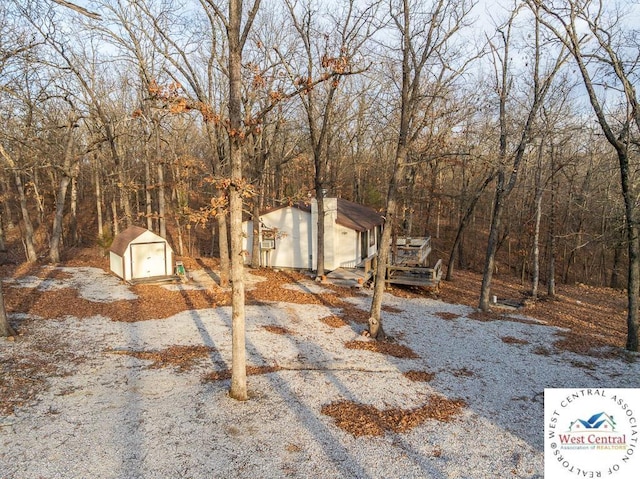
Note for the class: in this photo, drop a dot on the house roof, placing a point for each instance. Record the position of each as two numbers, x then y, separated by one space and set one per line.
350 215
123 239
357 217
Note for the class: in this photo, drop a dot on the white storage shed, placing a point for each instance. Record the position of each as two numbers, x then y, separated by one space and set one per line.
138 253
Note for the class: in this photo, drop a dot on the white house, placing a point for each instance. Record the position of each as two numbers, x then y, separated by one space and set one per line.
139 253
288 235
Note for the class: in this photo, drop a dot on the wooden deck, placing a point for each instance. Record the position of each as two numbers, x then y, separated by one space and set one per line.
349 277
411 251
409 264
355 275
415 275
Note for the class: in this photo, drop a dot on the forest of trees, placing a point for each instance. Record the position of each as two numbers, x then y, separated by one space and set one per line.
507 130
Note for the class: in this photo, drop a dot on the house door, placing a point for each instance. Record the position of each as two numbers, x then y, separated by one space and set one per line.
364 244
148 259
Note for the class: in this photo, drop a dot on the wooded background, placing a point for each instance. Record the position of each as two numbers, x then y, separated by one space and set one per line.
120 118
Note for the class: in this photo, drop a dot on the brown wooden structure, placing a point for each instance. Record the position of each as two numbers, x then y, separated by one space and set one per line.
409 263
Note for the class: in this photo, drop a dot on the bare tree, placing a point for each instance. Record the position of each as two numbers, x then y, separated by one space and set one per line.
427 71
511 157
603 56
324 56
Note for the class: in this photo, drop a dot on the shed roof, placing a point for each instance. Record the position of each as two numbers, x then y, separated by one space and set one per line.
123 239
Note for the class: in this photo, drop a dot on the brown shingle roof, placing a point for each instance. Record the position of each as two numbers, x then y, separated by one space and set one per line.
120 242
357 217
351 215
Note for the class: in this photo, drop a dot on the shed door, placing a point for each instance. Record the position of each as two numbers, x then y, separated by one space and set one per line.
148 259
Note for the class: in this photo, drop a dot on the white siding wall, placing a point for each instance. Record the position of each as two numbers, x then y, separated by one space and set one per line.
296 245
115 263
347 247
293 243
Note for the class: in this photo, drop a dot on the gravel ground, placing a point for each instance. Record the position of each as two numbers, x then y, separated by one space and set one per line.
105 413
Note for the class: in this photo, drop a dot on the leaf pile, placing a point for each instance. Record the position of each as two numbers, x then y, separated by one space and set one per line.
419 376
334 321
366 420
512 340
153 302
276 329
447 315
25 373
251 371
385 347
182 357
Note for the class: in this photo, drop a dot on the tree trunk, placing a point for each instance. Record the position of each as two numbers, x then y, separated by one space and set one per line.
73 211
633 280
320 238
492 245
99 201
56 234
238 388
28 226
463 224
124 197
538 217
384 251
147 195
5 327
5 188
2 244
162 213
114 215
66 174
551 267
255 241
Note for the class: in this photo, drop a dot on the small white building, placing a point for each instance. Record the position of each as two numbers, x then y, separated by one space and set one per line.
288 235
139 253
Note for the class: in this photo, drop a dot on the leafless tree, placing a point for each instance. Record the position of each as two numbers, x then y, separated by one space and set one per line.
430 63
512 154
603 57
324 56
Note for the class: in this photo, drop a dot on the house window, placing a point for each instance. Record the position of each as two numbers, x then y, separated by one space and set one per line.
268 239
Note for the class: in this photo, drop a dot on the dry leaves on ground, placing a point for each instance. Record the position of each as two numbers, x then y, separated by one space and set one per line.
367 420
182 357
419 376
385 347
251 371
